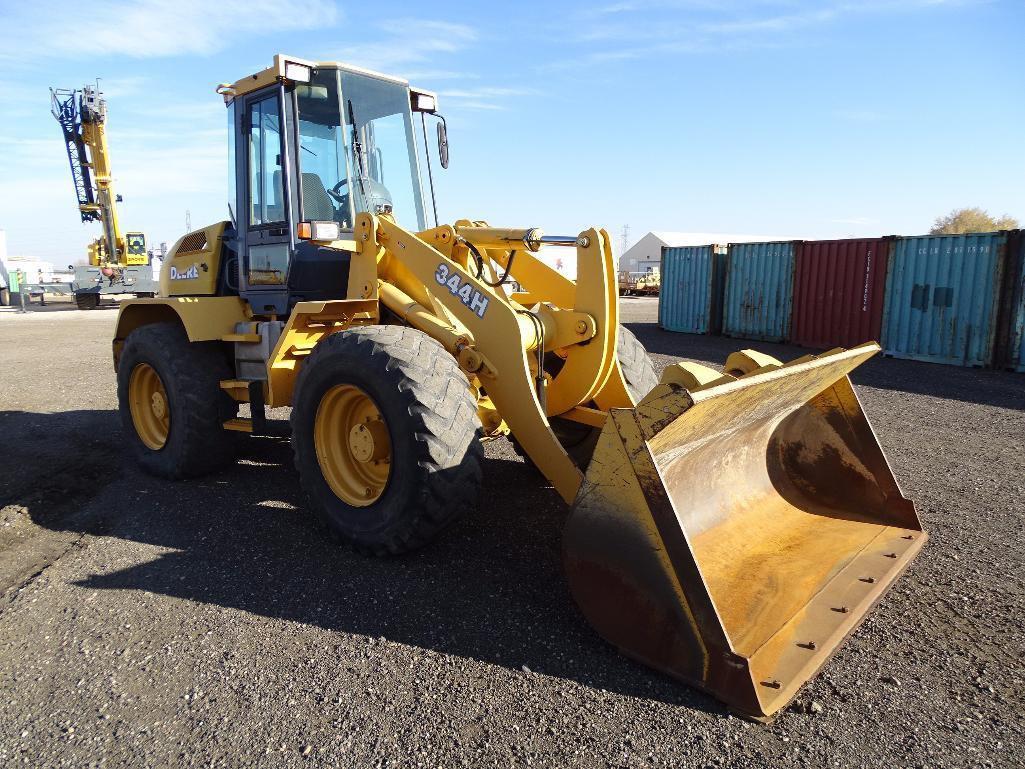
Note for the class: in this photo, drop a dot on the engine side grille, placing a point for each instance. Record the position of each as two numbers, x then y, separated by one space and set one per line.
195 241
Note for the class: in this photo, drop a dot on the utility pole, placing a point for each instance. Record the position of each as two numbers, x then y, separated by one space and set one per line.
188 221
624 242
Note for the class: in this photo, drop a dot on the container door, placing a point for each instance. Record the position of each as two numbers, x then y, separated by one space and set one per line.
684 302
759 291
941 298
1010 352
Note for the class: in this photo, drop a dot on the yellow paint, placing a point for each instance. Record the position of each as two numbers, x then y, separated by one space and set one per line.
238 389
497 333
353 446
586 416
204 319
748 361
149 406
193 263
309 323
693 376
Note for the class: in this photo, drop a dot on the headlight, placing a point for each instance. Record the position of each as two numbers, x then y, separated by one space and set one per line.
318 231
300 73
424 102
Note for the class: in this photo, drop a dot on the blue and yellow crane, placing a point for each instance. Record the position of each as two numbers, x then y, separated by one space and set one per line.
117 261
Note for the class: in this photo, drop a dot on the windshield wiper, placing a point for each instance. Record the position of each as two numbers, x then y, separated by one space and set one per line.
357 151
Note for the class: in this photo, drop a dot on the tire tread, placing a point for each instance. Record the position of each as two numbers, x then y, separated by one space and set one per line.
442 419
196 369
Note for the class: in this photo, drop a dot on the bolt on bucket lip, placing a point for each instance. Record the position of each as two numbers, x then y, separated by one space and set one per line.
734 536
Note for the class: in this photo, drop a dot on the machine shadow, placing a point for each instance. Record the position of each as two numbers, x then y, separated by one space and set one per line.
491 587
993 388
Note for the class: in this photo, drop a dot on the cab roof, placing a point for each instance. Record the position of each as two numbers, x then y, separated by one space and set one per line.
276 72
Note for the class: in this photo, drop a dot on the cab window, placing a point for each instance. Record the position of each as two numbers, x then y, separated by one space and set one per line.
266 194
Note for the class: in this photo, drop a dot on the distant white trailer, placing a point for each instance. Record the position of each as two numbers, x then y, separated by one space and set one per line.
646 254
35 270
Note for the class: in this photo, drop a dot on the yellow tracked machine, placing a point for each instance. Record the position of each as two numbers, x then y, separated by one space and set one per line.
729 527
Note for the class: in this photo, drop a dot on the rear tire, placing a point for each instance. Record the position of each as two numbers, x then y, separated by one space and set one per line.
419 403
87 300
187 388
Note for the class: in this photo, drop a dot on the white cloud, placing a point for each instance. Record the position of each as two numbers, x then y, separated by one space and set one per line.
486 92
641 29
117 87
412 48
168 148
776 23
150 28
607 10
168 155
429 75
409 41
483 98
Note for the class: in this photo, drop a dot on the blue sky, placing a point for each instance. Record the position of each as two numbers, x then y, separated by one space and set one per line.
782 117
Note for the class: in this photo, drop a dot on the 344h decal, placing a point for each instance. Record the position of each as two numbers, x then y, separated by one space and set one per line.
467 294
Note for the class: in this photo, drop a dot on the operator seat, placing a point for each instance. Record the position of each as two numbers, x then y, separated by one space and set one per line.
316 202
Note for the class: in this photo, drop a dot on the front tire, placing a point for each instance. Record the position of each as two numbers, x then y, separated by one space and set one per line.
639 373
172 406
637 366
87 300
386 433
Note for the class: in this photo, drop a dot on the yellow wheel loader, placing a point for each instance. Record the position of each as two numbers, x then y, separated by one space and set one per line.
728 527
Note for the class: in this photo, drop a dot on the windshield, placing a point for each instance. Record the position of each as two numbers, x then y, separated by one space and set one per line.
372 168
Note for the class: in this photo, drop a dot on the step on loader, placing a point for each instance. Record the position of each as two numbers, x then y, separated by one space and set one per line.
729 527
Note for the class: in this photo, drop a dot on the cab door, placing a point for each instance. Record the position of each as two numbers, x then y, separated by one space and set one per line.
265 231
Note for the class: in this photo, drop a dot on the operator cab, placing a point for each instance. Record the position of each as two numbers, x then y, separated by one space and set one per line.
317 144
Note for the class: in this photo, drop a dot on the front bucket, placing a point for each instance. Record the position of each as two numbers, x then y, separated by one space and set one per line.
733 536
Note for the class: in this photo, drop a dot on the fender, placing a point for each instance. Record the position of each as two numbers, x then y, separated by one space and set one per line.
204 318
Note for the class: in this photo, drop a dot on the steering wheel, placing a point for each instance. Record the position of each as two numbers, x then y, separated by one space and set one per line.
337 195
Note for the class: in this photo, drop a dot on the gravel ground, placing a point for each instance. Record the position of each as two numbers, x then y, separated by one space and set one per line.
210 623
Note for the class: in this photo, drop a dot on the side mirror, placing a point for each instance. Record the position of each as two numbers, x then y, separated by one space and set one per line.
443 143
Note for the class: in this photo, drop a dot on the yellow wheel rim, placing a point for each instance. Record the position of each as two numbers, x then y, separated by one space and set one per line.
353 445
151 413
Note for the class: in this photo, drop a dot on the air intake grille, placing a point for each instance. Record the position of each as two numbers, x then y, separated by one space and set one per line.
195 241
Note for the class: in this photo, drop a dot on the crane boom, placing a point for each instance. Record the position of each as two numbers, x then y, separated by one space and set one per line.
82 115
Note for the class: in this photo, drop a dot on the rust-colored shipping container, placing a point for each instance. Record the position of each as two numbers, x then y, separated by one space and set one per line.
839 291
